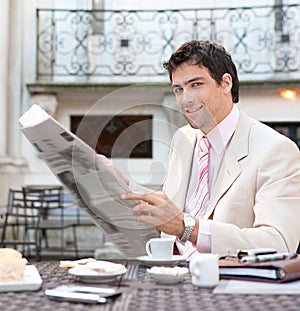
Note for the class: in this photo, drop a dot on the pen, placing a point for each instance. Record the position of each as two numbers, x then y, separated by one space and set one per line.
268 257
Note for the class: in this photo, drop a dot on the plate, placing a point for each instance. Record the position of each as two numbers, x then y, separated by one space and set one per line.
97 278
165 262
32 281
167 275
89 274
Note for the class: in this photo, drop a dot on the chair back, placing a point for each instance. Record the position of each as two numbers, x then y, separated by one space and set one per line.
43 200
18 219
30 213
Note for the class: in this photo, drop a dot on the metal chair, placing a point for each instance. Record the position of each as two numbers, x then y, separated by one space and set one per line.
18 221
49 201
31 213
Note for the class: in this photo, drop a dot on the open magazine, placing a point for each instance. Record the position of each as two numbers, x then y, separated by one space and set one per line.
93 185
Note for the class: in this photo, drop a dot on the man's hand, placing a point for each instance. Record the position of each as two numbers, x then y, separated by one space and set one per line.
157 209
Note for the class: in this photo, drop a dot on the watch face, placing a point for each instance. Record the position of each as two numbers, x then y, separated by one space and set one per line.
189 220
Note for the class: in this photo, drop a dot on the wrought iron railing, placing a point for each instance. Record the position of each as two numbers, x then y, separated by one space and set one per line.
132 45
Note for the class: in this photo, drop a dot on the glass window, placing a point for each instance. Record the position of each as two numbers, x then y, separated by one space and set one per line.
127 136
289 129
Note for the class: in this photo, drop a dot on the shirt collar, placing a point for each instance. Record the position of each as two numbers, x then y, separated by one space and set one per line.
220 135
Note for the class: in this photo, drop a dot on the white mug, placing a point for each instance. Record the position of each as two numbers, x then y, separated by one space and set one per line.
160 248
204 269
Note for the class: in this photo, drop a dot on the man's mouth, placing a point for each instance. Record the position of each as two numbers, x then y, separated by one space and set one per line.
193 109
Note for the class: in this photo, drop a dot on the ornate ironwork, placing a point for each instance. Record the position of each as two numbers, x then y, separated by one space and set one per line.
264 41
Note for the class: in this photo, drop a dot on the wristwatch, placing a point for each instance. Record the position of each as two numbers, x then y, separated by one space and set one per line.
189 224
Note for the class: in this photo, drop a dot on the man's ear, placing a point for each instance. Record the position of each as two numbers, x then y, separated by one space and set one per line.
226 82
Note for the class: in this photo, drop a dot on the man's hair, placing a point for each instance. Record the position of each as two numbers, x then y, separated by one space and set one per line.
207 54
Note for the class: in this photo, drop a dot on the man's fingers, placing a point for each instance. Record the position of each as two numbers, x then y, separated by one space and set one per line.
154 199
143 207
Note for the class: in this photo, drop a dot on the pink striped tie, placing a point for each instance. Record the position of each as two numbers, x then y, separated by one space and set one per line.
201 195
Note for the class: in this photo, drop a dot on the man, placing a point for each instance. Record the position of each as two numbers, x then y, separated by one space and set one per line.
252 194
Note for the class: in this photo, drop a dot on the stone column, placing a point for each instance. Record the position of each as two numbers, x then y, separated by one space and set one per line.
12 166
15 80
4 38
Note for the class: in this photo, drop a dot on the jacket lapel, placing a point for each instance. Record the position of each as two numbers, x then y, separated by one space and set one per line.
230 168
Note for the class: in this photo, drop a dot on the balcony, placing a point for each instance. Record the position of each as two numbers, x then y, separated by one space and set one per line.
90 48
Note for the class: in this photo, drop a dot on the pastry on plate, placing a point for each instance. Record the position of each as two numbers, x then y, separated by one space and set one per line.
12 265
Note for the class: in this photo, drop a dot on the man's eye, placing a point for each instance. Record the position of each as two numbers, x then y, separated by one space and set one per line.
196 84
177 90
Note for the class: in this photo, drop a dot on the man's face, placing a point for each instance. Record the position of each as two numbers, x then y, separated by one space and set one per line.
202 101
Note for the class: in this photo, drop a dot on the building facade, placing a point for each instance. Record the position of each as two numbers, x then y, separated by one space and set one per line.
102 61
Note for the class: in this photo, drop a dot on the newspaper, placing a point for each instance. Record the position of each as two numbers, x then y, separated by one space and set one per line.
93 185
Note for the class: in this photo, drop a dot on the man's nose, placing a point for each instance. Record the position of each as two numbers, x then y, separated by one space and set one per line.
186 97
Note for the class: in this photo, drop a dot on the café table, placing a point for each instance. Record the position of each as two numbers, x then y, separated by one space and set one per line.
140 292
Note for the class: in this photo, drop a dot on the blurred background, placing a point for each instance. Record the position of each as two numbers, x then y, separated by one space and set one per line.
102 60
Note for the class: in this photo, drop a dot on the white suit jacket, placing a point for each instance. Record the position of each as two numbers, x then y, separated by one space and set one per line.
255 201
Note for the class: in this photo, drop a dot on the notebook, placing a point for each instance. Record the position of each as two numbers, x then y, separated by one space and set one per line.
268 271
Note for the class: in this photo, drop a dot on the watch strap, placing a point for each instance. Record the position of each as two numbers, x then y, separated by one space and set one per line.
187 233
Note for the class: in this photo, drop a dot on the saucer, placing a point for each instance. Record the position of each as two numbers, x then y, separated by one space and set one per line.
97 278
98 272
165 275
157 261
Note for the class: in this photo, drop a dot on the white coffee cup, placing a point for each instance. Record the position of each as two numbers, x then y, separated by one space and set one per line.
160 248
204 269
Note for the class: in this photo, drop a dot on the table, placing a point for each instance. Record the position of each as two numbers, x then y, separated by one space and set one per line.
139 292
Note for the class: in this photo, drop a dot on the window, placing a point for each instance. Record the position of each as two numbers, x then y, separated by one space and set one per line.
127 136
289 129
